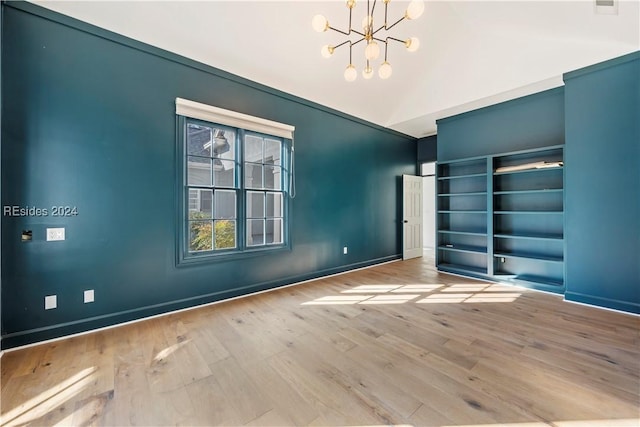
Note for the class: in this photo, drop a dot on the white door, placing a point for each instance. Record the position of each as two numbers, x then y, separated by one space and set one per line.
411 216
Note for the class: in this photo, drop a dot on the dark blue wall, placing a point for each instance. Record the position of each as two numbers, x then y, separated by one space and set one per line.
428 149
603 184
529 122
89 121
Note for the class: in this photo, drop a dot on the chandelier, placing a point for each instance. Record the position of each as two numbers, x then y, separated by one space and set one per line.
370 34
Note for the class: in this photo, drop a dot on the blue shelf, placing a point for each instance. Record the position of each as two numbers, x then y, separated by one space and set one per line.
528 280
462 269
523 255
477 193
463 212
548 190
527 212
541 170
463 248
468 232
533 236
444 178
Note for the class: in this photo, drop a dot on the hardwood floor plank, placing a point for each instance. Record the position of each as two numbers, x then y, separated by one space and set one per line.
242 394
284 398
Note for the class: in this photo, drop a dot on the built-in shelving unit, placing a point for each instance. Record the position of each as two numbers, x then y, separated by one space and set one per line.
502 217
462 216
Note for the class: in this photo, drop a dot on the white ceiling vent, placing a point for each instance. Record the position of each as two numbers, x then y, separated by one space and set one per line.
606 7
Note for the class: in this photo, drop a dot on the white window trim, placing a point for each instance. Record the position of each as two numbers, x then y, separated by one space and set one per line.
196 110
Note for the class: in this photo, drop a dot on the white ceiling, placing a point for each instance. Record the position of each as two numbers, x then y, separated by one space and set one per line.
472 53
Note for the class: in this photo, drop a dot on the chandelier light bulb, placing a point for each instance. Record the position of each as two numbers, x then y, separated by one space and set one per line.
385 70
350 74
320 23
372 51
412 44
351 4
367 73
327 51
415 9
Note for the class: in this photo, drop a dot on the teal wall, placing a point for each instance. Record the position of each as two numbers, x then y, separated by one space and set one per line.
529 122
427 149
603 184
89 121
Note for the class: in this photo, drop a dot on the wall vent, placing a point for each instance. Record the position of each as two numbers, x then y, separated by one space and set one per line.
606 7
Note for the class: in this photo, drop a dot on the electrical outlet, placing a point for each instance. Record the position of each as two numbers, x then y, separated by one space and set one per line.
89 296
55 234
50 302
344 250
502 259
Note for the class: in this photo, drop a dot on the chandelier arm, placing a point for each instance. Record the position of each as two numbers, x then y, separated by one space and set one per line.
378 40
355 43
382 27
358 33
386 7
373 8
397 40
395 23
341 44
338 30
386 46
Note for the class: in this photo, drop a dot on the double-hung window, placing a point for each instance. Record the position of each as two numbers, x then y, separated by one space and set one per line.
234 182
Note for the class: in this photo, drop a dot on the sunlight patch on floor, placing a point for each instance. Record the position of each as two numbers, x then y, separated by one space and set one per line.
171 349
338 299
444 298
389 299
48 400
422 294
371 289
417 288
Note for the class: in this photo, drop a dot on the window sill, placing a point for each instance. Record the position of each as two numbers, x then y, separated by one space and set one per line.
212 258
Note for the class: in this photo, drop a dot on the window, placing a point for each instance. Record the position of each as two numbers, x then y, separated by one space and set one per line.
234 190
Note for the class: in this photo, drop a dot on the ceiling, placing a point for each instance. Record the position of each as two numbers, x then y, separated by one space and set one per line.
472 53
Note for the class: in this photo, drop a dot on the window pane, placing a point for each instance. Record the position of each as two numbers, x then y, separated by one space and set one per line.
198 171
272 152
274 205
225 205
194 200
225 234
255 232
253 149
198 140
253 175
200 203
223 144
255 204
200 236
224 172
273 177
273 233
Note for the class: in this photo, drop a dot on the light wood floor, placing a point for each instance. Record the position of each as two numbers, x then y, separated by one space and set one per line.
397 344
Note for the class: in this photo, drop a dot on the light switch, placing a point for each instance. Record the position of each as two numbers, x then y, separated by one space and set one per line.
55 234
